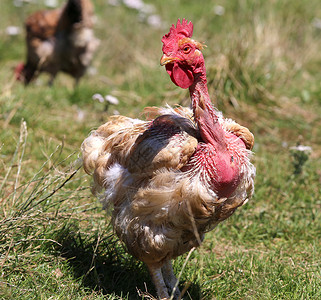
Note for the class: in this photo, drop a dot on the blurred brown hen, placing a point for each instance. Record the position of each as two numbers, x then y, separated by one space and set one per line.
59 40
175 176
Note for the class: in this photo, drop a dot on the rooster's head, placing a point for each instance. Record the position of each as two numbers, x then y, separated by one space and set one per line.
182 55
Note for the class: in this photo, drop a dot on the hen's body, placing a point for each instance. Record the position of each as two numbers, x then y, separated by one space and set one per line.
159 210
59 40
171 178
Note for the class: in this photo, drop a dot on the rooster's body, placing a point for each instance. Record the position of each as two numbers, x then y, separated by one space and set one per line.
59 40
173 177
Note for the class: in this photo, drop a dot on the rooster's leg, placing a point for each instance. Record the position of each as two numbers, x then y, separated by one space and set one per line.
169 278
158 280
76 82
51 79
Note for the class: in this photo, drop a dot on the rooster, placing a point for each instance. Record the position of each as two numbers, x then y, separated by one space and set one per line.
178 174
59 40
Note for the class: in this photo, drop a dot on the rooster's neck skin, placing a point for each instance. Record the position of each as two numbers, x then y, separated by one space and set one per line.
205 115
213 153
198 90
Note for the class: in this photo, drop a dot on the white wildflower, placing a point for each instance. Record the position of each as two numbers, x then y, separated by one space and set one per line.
80 115
51 3
147 9
113 2
155 21
19 3
300 155
146 12
92 71
98 97
302 148
12 30
134 4
219 10
111 99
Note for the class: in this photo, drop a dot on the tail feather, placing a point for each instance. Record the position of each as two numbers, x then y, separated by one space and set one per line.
76 11
91 148
73 11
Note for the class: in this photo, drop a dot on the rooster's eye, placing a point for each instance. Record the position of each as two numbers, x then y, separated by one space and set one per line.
187 49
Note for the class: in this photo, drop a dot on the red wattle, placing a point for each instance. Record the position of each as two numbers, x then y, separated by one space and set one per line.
182 77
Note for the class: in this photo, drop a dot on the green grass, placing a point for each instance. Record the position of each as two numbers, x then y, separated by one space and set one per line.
263 60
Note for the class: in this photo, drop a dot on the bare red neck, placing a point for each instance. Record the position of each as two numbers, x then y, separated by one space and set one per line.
224 176
199 90
206 118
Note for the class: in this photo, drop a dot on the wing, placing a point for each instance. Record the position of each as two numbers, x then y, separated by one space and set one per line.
111 142
139 146
169 142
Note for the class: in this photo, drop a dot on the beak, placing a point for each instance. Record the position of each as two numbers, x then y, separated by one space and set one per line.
167 59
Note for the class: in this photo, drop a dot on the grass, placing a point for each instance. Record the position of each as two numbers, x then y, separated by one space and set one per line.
263 63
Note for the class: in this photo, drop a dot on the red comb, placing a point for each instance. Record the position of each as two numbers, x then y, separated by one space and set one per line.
184 29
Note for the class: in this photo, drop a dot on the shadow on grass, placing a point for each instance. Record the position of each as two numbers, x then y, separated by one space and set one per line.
104 265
